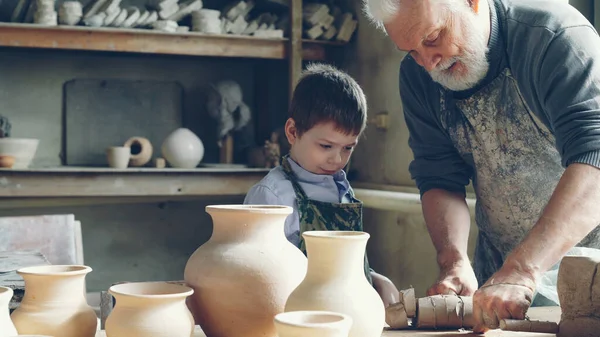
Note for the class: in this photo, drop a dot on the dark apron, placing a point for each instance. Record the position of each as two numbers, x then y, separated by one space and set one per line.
324 216
516 165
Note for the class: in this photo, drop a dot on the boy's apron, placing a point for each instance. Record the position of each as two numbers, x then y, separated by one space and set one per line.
515 163
324 216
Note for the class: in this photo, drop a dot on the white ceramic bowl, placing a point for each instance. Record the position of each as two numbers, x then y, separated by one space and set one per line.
23 149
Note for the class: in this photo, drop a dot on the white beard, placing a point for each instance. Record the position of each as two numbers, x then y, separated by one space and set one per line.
473 60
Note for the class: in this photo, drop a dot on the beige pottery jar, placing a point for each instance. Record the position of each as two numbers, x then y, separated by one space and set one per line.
244 273
313 324
336 281
7 328
54 303
150 309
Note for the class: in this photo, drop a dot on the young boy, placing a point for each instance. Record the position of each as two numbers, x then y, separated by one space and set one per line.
328 113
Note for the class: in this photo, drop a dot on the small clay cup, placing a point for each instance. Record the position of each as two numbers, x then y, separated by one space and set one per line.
7 161
118 156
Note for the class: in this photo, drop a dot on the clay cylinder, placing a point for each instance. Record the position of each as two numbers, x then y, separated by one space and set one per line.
528 326
578 287
55 294
445 312
141 151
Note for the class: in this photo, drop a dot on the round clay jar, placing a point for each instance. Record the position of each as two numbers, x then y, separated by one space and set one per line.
141 151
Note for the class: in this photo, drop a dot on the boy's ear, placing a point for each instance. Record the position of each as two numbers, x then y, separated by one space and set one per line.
290 131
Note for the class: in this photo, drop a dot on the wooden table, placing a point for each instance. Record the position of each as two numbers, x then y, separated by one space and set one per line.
541 313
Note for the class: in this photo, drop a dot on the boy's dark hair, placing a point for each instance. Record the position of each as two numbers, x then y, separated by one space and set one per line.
325 94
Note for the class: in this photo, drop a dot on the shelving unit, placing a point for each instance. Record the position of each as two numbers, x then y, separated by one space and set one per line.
33 186
156 42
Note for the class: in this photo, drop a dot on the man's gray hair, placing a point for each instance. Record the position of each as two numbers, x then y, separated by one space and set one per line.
380 12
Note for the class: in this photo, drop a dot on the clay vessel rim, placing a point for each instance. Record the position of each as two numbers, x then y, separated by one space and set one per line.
56 270
303 318
262 209
136 290
338 235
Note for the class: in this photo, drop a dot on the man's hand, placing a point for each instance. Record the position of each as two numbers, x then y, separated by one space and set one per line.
386 289
506 295
459 279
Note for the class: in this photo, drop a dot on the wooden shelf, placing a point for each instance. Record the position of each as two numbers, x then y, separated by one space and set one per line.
155 42
71 182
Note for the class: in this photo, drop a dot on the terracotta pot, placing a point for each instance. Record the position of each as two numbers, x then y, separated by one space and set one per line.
183 149
150 309
336 281
244 273
7 328
54 303
313 324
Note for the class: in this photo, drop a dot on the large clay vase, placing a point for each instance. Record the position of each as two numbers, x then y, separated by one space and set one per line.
336 281
54 303
244 273
150 309
183 149
313 324
7 328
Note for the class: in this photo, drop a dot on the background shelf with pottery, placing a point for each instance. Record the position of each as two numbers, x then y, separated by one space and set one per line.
156 42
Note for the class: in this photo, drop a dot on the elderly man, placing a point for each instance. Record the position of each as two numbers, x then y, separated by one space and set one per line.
505 93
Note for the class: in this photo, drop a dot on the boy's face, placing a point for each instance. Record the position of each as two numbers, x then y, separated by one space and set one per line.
322 149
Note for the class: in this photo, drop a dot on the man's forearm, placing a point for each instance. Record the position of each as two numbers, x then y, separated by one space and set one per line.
572 212
448 222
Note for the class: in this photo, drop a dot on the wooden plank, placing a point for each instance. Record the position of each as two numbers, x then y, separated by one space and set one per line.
123 183
153 42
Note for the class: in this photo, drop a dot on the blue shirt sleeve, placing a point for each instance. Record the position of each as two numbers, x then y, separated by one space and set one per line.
262 195
568 84
436 164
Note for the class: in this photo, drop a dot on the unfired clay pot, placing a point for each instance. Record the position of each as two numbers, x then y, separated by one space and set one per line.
7 328
183 149
141 151
313 324
244 273
336 281
54 303
150 309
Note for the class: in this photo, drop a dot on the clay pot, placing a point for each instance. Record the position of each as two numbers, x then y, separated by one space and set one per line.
54 303
244 273
118 156
141 151
336 281
7 328
313 324
150 309
183 149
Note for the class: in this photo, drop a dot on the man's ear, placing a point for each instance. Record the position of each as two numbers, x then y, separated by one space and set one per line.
291 133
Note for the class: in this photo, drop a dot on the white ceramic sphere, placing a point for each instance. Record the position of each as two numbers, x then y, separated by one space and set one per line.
183 149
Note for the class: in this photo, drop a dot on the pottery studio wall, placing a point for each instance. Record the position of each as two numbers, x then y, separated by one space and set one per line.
143 241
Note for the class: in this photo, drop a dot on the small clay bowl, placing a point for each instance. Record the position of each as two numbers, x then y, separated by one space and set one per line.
7 161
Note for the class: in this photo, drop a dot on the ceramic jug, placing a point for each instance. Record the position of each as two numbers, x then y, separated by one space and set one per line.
54 303
150 309
7 328
313 324
244 273
336 281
